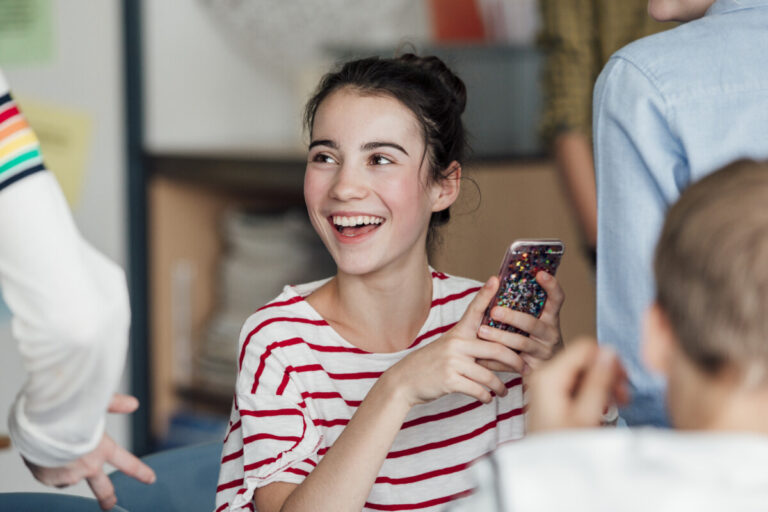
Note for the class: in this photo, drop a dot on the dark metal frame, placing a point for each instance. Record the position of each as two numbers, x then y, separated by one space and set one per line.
139 354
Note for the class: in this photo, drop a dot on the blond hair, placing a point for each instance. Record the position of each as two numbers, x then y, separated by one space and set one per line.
711 269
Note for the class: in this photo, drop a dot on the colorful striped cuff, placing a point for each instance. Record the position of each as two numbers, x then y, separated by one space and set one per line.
19 148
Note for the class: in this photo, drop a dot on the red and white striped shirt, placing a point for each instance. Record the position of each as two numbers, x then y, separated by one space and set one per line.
300 382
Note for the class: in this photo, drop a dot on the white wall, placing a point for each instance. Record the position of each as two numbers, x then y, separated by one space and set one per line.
85 74
202 95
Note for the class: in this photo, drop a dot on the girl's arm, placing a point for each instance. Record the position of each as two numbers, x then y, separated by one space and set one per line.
344 477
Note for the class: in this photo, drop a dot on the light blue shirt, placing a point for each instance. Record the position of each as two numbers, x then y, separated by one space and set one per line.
668 110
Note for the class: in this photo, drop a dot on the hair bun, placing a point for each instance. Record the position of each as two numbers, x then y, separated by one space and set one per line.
454 86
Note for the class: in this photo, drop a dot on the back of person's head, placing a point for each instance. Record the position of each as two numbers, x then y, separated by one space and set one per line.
711 271
427 87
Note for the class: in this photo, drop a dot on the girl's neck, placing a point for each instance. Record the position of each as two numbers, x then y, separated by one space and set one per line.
379 312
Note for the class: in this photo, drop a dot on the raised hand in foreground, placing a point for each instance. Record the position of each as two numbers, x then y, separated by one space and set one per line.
576 388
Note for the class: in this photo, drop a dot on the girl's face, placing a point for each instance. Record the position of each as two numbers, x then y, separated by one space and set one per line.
366 185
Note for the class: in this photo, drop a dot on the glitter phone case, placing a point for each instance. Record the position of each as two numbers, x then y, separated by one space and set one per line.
518 288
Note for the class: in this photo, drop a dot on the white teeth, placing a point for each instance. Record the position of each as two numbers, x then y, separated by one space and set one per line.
359 220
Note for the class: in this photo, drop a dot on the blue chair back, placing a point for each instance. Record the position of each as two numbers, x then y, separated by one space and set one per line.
186 481
48 501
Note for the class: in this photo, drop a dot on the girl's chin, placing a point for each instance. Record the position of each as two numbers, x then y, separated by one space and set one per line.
356 268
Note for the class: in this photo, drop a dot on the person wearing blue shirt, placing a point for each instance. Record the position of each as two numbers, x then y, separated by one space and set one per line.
668 110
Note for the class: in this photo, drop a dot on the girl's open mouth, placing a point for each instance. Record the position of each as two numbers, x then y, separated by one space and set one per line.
355 225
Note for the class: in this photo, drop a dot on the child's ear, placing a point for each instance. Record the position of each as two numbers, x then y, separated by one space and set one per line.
447 189
659 340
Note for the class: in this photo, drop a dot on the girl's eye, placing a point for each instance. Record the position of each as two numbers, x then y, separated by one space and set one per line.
380 160
323 158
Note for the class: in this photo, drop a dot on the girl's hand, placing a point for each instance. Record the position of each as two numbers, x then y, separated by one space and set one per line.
450 364
544 339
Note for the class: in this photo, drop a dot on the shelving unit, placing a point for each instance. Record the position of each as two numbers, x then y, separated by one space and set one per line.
187 197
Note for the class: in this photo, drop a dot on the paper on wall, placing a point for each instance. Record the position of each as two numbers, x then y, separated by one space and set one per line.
65 141
26 32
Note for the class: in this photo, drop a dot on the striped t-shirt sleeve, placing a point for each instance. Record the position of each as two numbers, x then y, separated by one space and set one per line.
19 148
272 437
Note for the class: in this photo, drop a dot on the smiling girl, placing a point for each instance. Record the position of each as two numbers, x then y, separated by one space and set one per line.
377 388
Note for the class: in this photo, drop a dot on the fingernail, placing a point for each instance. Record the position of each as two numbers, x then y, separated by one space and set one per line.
484 330
544 276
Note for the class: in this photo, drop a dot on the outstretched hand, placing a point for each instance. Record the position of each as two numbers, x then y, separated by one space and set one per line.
452 364
91 466
576 388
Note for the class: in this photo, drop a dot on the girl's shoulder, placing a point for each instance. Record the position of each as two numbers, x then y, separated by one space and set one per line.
451 295
283 315
448 283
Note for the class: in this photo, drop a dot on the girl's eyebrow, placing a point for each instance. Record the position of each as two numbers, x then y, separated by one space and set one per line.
368 146
323 142
375 145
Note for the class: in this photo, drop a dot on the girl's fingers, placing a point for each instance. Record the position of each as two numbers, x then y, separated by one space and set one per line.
523 344
473 389
555 297
473 316
522 321
531 363
496 366
543 329
484 377
481 349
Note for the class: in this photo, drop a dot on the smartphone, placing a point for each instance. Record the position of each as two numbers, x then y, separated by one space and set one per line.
518 288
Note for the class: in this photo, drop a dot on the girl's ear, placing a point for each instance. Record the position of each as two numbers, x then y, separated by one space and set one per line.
446 190
659 340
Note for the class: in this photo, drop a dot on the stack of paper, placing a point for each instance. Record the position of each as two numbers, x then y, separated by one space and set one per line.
264 252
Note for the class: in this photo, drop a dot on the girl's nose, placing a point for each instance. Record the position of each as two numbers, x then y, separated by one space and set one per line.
349 184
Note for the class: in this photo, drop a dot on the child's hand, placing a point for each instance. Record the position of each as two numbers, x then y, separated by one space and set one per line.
450 364
544 333
576 388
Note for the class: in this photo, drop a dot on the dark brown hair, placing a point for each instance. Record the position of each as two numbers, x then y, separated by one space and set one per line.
427 87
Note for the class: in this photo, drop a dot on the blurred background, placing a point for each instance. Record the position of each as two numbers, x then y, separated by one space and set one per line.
174 127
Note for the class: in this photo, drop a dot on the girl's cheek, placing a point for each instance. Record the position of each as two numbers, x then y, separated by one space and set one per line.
313 188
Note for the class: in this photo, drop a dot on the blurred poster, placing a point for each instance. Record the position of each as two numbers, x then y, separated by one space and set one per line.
65 141
26 32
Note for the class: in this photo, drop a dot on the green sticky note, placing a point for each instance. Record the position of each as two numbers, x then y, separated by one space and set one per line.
26 32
